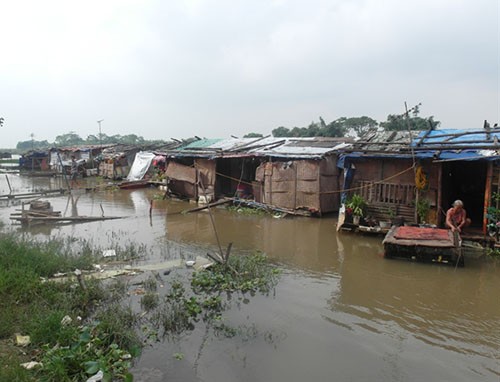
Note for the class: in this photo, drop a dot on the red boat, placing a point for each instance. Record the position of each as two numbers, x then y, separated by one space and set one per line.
432 245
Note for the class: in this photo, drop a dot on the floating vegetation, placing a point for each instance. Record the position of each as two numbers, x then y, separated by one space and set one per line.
182 307
159 196
248 210
493 252
250 273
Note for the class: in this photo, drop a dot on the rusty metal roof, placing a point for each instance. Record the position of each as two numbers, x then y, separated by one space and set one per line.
439 144
314 147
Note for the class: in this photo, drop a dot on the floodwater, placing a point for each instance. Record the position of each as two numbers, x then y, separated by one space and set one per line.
341 312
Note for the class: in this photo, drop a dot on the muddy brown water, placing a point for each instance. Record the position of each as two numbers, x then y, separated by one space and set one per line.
341 312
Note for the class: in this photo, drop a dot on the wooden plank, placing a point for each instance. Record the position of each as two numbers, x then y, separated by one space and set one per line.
69 218
217 203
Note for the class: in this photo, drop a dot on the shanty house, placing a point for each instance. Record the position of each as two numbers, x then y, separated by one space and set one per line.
418 175
296 174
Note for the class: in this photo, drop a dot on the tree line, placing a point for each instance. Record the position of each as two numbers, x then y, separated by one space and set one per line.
356 126
340 127
73 139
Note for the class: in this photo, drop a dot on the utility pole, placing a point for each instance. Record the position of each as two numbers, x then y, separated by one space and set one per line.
32 152
100 135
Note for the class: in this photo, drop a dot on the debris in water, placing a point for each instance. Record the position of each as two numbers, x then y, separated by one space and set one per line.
22 340
31 365
97 377
109 253
66 320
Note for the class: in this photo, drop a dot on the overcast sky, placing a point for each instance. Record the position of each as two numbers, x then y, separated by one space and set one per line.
163 69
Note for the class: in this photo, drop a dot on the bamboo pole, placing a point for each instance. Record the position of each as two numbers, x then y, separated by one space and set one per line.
221 254
439 194
63 172
487 196
8 183
208 205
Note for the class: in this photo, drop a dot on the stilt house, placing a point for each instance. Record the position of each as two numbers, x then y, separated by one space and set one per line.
418 175
296 174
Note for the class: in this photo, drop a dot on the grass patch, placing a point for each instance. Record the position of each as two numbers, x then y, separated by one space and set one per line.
77 332
31 305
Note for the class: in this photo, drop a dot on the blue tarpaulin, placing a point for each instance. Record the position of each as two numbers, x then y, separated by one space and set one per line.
431 147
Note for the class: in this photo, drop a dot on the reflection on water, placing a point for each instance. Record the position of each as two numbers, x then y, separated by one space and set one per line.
341 311
455 310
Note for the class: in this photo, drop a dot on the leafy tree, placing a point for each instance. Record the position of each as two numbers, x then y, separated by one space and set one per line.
253 135
73 139
281 132
315 129
334 129
92 139
32 144
69 139
401 122
359 125
298 132
131 139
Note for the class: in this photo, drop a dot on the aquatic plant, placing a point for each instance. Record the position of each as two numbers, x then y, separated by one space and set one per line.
159 196
249 273
88 353
248 210
182 308
177 312
493 252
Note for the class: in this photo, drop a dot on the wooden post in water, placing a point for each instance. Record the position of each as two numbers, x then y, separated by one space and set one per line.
440 194
8 183
487 196
62 170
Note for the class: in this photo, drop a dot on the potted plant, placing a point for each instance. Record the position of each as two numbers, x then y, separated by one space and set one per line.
356 204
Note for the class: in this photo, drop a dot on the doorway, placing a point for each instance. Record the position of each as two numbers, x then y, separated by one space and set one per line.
465 181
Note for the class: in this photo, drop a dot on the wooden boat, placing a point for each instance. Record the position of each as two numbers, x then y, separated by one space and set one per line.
127 185
430 245
41 212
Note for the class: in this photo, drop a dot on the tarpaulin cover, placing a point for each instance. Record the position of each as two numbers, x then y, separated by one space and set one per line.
440 144
470 137
421 233
140 166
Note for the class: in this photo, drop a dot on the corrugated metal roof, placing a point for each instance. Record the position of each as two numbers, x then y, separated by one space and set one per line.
202 143
385 141
441 144
314 147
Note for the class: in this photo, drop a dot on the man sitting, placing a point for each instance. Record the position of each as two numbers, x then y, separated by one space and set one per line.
456 217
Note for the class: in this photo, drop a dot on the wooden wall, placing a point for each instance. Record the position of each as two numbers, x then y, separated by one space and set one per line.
300 184
388 184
